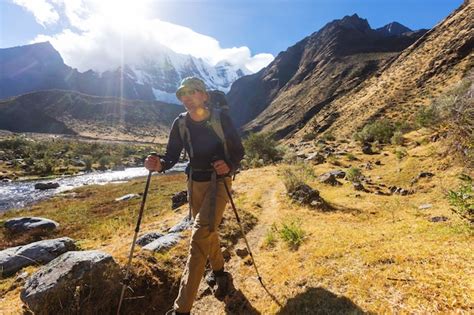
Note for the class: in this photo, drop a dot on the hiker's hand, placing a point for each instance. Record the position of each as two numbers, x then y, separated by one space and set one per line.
153 163
221 167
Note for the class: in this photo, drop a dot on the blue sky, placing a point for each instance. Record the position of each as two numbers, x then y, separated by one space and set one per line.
228 29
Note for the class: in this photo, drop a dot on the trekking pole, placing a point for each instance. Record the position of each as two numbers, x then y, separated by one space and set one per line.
126 279
243 232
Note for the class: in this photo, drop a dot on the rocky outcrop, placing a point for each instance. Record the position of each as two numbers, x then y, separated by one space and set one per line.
41 252
45 186
77 282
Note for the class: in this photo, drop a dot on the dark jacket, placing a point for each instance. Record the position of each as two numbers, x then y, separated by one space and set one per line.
207 146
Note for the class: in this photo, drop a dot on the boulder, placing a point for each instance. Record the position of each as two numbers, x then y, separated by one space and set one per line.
358 186
315 158
338 173
186 223
329 179
242 252
163 243
41 252
77 282
179 199
425 206
308 196
367 148
34 225
148 238
44 186
127 197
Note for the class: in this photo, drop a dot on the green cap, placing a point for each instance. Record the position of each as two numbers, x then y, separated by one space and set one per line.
190 83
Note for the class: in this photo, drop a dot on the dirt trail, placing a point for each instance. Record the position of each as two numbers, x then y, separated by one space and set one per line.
247 286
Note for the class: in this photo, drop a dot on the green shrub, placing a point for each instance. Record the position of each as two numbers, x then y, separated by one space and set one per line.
292 233
309 136
400 153
462 199
427 116
354 174
262 146
271 237
296 175
397 138
381 131
328 137
351 157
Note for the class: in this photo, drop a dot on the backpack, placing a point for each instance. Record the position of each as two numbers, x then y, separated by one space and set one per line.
218 104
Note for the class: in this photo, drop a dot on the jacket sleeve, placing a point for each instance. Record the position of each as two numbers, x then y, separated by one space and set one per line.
173 148
234 142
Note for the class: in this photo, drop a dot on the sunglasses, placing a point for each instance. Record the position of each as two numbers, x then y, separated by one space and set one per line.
183 92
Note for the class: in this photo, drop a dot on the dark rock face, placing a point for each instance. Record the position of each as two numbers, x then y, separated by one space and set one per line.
85 282
30 225
44 186
15 258
179 199
393 29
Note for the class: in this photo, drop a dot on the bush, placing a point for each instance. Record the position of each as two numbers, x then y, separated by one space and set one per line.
462 199
400 153
328 137
271 237
427 117
354 174
296 175
381 131
397 138
292 234
309 136
262 146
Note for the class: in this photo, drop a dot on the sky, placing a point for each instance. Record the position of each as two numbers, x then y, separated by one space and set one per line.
98 33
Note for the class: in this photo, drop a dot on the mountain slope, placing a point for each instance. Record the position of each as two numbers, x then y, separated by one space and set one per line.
421 72
300 81
66 112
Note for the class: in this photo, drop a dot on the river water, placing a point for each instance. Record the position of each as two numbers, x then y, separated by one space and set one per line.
20 194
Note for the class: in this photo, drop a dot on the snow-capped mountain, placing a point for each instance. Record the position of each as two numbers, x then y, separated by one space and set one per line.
40 67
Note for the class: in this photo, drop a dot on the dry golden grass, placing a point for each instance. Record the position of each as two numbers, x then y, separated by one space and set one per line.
373 253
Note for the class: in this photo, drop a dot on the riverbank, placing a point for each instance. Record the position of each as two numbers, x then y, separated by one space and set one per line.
39 156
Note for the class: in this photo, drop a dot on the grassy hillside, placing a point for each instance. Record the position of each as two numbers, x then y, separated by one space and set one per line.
370 253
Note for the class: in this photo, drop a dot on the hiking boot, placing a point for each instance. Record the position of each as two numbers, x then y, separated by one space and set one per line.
223 280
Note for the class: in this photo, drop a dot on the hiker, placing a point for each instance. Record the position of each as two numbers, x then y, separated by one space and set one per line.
215 149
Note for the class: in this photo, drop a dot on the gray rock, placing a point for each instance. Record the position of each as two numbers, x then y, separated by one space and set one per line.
425 206
367 148
329 179
127 197
338 174
164 243
179 199
439 219
44 186
185 224
315 158
148 238
41 252
304 194
242 252
358 186
85 282
30 224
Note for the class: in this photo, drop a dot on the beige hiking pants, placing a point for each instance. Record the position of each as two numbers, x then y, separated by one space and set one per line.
204 244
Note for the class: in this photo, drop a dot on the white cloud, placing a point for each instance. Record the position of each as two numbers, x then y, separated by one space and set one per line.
42 10
103 33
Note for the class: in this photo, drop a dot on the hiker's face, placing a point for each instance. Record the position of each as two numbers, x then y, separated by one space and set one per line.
194 100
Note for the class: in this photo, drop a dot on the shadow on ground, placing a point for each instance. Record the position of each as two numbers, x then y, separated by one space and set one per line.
320 301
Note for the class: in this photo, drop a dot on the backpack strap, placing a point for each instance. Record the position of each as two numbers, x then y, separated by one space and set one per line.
184 132
216 125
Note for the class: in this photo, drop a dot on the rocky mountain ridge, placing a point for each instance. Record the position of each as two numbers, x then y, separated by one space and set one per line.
300 81
39 66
